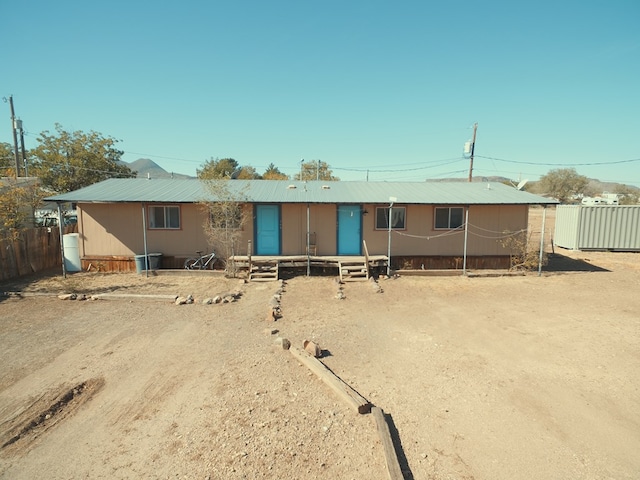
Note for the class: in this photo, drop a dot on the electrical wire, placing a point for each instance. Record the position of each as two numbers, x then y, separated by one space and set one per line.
592 164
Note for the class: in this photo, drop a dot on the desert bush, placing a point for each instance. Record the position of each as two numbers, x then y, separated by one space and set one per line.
523 254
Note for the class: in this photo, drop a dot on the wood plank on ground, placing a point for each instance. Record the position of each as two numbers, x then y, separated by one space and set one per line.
344 391
390 455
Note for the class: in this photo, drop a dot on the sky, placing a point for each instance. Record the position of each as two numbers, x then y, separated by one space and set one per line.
379 90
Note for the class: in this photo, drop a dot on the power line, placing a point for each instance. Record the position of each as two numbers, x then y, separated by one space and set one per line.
561 165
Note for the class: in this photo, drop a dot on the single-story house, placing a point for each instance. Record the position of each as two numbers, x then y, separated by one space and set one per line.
433 224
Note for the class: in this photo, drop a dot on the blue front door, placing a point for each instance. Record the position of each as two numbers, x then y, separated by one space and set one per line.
267 231
349 229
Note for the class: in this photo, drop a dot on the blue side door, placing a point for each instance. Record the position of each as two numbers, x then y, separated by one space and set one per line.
349 229
267 230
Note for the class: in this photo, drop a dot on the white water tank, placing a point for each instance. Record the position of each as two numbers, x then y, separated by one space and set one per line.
71 252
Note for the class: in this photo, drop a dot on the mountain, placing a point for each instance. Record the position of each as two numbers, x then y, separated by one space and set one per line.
594 186
145 167
490 179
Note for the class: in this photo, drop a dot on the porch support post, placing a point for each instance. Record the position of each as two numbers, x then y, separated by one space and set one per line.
144 236
60 227
389 240
308 246
466 235
544 218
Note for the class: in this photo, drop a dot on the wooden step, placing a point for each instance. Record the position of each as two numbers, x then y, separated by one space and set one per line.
264 271
352 270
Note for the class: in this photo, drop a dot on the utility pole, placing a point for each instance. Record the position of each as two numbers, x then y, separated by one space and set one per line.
15 136
473 147
24 153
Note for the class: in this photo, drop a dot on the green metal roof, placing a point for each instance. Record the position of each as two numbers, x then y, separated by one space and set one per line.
284 191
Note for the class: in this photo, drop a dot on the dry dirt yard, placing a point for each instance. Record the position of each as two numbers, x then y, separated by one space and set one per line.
489 378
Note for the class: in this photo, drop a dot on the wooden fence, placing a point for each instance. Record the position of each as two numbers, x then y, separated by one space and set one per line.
34 250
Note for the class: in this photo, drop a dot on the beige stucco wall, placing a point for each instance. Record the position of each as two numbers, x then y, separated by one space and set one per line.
322 222
421 238
109 229
116 229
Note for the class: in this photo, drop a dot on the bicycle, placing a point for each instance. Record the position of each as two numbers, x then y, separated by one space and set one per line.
201 262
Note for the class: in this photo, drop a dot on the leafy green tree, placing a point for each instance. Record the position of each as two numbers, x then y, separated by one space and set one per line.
248 173
628 195
272 173
7 159
562 183
226 169
217 169
315 170
19 199
67 161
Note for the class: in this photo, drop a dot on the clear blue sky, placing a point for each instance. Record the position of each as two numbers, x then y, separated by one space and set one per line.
389 87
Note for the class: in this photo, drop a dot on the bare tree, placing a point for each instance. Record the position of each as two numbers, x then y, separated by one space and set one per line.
227 215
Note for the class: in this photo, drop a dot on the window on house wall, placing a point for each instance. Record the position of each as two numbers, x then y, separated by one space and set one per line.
164 216
398 217
449 217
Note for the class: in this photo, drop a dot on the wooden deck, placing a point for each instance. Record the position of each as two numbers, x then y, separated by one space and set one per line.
349 267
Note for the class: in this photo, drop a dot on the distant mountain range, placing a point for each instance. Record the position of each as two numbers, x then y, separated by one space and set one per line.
145 167
595 186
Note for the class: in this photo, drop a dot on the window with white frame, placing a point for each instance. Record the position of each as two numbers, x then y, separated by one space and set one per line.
164 217
398 217
447 218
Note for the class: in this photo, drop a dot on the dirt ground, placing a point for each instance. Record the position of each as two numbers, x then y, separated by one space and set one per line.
509 377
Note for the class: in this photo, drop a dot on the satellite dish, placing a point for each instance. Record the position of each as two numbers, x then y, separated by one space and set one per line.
522 184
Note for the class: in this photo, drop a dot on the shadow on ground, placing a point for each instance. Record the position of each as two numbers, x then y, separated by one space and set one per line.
560 263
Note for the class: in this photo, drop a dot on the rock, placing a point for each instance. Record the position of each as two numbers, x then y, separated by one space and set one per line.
283 342
217 299
207 301
273 314
270 331
312 348
184 300
340 295
68 296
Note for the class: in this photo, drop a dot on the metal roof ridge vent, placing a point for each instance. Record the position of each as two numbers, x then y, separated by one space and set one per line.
488 186
291 187
325 187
